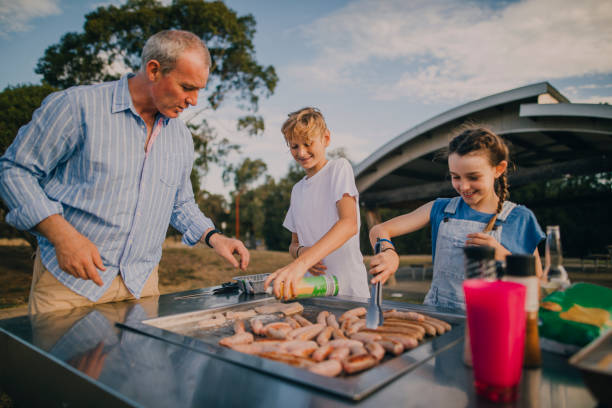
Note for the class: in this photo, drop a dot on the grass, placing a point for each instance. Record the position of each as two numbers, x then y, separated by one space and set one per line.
183 268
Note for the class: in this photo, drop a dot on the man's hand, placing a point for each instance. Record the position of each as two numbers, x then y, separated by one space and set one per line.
75 254
227 247
91 362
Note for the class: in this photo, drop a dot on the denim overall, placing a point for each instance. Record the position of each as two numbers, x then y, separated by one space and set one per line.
448 270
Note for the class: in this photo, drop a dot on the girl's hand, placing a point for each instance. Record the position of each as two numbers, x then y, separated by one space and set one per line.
286 280
383 265
482 239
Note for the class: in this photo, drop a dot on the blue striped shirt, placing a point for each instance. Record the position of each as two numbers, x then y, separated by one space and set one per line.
82 156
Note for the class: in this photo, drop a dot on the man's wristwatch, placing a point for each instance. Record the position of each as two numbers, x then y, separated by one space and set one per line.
210 234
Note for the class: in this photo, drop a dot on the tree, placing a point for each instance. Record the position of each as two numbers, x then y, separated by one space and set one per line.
275 206
114 36
17 105
243 175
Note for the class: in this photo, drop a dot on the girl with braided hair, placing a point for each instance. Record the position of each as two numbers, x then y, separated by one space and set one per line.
481 215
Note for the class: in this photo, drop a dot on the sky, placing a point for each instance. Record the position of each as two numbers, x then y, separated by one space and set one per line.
375 68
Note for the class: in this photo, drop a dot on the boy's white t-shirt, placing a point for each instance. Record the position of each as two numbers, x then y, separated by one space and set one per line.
313 213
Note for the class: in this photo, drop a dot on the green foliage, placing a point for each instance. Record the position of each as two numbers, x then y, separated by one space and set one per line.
17 103
580 205
276 204
245 173
116 35
417 242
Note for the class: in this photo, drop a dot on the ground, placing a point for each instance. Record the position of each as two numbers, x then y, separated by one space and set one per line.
183 268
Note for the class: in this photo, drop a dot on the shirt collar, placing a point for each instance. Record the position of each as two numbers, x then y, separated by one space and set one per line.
122 99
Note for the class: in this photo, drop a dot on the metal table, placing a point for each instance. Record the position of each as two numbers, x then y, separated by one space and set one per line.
81 357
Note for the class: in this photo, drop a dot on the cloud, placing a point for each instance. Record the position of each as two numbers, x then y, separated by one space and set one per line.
16 15
594 99
443 50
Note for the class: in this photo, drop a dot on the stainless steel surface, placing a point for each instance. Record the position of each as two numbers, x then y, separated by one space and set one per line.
252 284
183 330
595 363
81 358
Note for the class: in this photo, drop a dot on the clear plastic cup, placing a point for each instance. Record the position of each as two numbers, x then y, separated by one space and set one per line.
496 320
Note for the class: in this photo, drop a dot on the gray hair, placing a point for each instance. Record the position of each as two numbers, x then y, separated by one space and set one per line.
167 46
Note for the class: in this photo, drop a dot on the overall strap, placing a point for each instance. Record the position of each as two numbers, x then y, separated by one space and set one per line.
451 207
507 207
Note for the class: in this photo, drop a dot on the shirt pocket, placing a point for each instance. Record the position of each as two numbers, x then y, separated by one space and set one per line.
171 171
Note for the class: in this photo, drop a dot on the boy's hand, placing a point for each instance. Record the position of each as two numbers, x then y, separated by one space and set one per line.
383 266
483 239
286 280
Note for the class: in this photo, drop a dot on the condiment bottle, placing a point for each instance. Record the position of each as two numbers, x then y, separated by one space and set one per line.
555 276
521 269
312 286
479 263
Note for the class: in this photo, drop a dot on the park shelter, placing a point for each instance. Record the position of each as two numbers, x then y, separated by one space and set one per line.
548 135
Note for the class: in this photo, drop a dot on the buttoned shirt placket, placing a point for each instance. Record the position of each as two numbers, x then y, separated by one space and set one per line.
156 130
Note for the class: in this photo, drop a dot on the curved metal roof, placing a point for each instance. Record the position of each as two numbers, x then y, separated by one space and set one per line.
543 129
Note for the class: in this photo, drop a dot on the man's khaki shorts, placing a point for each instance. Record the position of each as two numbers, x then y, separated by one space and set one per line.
47 294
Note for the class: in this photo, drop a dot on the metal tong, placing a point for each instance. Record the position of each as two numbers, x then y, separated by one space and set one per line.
374 316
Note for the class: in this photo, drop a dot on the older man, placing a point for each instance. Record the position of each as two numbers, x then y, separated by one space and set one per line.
100 172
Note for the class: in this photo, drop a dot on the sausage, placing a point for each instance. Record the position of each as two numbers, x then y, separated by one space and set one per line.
339 353
322 317
346 323
414 324
345 343
292 322
440 325
332 322
296 361
277 330
365 337
302 321
323 337
329 368
356 312
300 348
392 346
257 347
357 350
322 352
292 308
271 308
338 334
256 326
305 333
240 338
355 364
243 314
407 341
403 315
399 329
239 326
355 327
376 350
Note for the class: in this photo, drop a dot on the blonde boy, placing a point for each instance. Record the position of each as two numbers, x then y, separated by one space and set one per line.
323 216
